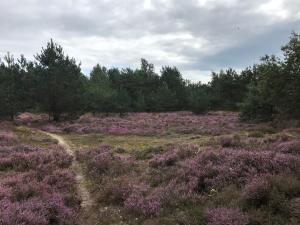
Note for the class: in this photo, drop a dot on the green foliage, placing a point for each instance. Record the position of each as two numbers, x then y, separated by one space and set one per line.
172 78
99 94
60 82
276 90
228 89
199 100
53 83
255 107
13 86
122 102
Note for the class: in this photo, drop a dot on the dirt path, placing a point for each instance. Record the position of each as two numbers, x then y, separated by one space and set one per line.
87 202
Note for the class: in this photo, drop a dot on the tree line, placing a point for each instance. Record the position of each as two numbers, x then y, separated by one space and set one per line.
54 83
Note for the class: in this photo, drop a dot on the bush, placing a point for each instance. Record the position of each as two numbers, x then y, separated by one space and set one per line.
292 147
50 209
38 187
226 216
294 207
104 160
230 141
212 169
256 192
7 138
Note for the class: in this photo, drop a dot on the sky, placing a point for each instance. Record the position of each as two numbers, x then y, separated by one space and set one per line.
196 36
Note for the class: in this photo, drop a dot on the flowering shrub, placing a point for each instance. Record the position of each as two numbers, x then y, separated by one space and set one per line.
257 172
292 147
51 128
174 154
230 141
36 186
295 207
104 160
146 206
256 192
34 159
225 216
44 210
166 159
153 124
211 169
7 138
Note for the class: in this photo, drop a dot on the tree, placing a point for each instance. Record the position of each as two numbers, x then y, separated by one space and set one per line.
60 82
122 102
290 104
227 90
175 83
99 92
199 102
13 86
255 107
266 92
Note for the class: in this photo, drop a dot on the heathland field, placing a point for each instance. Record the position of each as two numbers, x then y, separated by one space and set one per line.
149 168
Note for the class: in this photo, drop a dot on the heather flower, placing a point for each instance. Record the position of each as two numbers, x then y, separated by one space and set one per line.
292 147
294 207
51 128
104 160
147 124
50 209
38 187
211 169
7 138
230 141
166 159
5 192
226 216
256 192
138 201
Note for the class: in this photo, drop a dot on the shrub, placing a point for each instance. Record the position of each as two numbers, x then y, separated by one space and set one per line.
294 207
34 159
138 201
50 209
272 193
256 192
230 141
38 187
146 206
103 160
166 159
226 216
292 147
7 138
211 169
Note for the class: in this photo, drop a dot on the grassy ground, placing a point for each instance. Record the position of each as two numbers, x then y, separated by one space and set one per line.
108 172
141 147
29 136
133 142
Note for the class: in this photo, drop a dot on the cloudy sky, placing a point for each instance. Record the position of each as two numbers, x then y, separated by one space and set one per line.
197 36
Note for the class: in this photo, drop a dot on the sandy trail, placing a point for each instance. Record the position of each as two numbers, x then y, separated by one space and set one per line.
87 201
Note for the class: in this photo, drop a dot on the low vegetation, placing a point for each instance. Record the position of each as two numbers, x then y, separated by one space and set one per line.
37 185
242 174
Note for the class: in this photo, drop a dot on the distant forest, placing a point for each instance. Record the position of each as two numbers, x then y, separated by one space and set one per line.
54 83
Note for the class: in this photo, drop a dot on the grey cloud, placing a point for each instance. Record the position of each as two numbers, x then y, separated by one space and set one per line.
187 34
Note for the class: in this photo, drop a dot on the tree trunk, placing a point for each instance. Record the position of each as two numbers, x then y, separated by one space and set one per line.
56 117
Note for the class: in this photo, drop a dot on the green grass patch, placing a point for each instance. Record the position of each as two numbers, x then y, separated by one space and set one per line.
33 137
132 142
